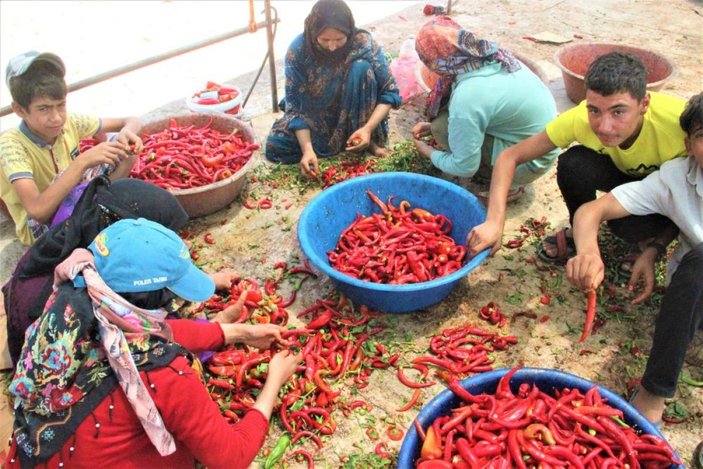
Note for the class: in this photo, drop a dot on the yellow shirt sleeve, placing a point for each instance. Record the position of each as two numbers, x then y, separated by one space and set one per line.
572 126
15 161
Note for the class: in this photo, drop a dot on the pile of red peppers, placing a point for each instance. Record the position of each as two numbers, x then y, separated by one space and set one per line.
183 157
336 343
345 170
532 428
400 245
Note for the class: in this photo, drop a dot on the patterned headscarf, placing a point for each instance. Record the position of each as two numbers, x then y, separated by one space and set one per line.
87 341
449 50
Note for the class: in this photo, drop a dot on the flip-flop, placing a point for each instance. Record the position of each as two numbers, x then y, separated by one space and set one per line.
565 247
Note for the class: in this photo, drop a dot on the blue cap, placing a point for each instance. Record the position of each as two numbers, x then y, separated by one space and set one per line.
141 255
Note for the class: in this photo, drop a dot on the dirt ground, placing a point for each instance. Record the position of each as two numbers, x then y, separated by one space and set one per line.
252 241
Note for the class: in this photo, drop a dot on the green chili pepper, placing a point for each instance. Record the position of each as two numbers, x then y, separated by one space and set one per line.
690 381
277 452
557 281
620 421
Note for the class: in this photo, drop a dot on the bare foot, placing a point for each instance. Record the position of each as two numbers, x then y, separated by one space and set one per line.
649 405
375 150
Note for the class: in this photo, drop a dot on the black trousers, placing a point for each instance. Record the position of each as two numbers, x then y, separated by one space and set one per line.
582 171
681 315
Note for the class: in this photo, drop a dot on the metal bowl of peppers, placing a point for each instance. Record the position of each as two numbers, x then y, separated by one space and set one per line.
509 420
331 211
202 158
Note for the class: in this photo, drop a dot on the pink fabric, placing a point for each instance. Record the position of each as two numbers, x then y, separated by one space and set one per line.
113 437
118 318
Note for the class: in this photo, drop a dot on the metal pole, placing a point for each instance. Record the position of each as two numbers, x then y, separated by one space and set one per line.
272 61
160 58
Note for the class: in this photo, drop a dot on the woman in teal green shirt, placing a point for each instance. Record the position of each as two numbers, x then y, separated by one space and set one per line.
484 101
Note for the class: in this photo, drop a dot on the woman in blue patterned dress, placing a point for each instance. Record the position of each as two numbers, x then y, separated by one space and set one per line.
339 91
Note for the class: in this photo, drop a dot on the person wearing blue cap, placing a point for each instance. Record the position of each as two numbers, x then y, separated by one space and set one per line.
42 173
104 382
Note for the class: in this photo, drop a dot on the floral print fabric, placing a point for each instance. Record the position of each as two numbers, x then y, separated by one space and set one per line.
86 342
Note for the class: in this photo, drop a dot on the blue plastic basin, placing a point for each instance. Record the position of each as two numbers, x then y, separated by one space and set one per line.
333 209
547 380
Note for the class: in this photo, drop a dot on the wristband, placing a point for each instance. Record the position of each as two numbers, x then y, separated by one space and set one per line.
661 249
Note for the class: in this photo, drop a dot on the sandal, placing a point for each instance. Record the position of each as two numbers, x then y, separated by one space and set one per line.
565 247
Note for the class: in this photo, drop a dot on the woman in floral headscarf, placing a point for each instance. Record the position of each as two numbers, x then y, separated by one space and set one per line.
484 101
339 91
104 380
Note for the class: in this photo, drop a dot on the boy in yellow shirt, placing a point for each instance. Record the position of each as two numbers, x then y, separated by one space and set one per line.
622 133
40 164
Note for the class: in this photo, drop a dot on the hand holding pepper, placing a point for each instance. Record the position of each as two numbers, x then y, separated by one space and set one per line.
586 271
423 148
130 141
359 140
223 280
103 153
422 129
281 367
486 235
232 312
262 336
308 164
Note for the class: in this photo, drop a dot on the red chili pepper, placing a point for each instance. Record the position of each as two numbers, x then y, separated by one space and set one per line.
413 399
382 450
320 321
411 384
306 434
222 384
208 238
208 101
395 433
590 315
436 464
301 453
514 243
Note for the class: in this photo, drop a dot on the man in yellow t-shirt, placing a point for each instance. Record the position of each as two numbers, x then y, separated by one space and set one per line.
40 165
622 133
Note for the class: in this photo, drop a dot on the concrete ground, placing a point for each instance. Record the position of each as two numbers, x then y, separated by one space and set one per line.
159 90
